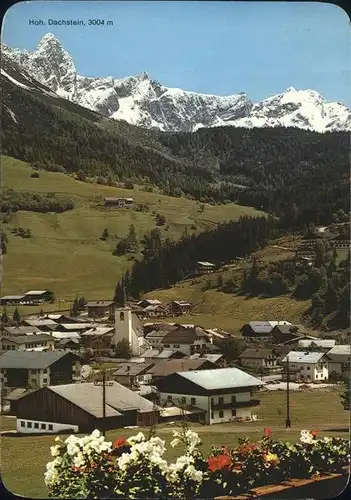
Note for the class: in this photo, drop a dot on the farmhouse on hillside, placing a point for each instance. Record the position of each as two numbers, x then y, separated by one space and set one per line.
205 268
339 360
186 340
222 395
118 202
12 300
79 408
178 308
260 329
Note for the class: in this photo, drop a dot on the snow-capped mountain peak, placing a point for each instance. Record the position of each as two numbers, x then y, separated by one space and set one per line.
141 100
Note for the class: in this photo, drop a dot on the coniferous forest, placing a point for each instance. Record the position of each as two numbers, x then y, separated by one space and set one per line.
298 177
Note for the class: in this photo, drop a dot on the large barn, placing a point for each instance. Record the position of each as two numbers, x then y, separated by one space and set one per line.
79 408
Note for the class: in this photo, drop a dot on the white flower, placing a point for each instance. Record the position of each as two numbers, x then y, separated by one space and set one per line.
72 449
55 450
175 442
57 438
79 460
96 433
136 439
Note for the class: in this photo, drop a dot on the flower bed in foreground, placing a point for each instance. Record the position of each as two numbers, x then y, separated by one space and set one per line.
90 467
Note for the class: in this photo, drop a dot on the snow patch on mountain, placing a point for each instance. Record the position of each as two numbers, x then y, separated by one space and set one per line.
142 101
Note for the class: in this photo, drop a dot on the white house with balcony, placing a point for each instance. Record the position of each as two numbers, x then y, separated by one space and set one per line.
223 395
305 366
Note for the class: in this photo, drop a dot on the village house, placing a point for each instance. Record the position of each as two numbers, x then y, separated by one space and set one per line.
36 296
286 333
148 302
204 268
155 337
20 330
100 308
217 358
26 342
260 360
79 408
155 355
155 311
98 337
223 395
30 369
178 308
45 325
260 329
339 361
12 300
62 318
321 345
132 374
118 202
166 367
186 340
67 340
305 367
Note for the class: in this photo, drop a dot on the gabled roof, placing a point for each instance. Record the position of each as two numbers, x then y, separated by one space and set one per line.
21 330
40 322
12 297
100 303
256 353
65 335
205 263
151 302
166 367
168 353
210 357
88 396
181 303
25 339
155 334
98 331
325 343
183 336
221 378
36 292
290 329
303 357
31 359
131 369
340 354
259 326
154 307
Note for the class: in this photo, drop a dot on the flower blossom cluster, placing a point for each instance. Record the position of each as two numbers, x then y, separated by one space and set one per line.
308 437
80 450
151 450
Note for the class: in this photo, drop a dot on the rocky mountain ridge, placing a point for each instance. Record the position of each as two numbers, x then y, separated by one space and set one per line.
142 101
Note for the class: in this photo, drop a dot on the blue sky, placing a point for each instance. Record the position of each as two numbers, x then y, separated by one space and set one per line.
211 47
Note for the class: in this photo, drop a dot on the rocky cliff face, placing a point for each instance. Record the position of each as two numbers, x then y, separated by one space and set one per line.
142 101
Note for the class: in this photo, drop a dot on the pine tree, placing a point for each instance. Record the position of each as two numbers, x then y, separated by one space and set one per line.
4 318
16 316
105 234
331 298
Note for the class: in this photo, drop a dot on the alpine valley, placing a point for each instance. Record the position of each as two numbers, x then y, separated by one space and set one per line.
142 101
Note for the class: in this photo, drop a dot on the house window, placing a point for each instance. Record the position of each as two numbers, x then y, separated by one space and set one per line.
45 370
43 426
220 413
220 400
308 368
183 400
36 425
233 412
176 345
193 401
212 402
212 415
33 371
121 316
166 345
169 398
50 427
233 399
23 424
45 380
29 425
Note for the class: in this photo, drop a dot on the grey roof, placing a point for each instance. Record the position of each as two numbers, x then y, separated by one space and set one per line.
21 330
166 367
30 359
327 343
341 349
221 378
260 326
155 334
167 353
295 329
303 357
89 397
65 335
339 354
151 302
100 303
36 292
184 336
12 297
210 357
205 263
151 353
40 322
25 339
131 369
17 393
98 331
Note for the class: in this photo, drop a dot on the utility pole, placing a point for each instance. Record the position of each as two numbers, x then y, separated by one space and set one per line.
103 401
287 423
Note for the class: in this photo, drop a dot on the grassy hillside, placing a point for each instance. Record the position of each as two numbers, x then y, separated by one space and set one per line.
212 308
65 253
